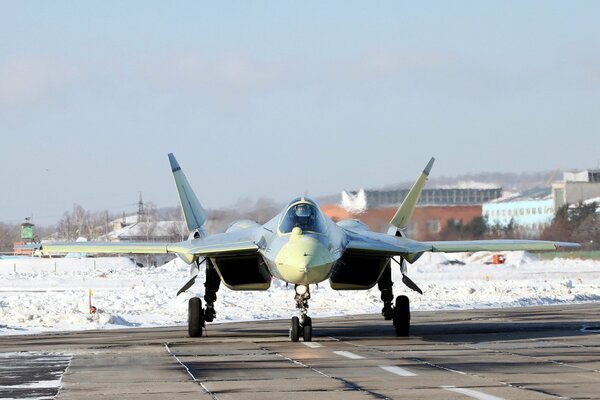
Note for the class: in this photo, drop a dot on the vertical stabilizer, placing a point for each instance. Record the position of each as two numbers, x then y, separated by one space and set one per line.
402 216
192 210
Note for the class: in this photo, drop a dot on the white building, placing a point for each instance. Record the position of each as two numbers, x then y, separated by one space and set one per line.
129 229
530 212
576 187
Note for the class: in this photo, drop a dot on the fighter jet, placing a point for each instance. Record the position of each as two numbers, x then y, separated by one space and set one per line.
303 247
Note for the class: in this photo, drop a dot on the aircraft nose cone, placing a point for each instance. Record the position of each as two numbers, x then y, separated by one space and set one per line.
304 260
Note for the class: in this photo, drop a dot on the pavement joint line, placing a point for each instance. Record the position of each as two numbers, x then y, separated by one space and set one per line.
300 364
455 371
394 369
312 345
60 387
507 384
348 354
538 359
471 393
346 382
211 394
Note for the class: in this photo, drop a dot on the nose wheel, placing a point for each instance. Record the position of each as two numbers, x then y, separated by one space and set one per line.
302 325
303 329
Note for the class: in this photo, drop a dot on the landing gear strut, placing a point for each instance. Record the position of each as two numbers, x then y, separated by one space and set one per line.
211 286
400 312
385 285
197 316
301 325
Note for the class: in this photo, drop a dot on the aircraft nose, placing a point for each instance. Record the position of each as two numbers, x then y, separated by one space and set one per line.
304 260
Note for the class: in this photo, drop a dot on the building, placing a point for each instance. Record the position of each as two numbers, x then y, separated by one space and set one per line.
426 223
437 196
529 212
435 210
141 227
132 228
576 187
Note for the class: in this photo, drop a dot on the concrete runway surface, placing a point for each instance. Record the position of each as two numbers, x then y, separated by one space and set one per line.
545 352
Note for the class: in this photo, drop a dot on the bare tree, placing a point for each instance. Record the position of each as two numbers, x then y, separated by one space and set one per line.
9 234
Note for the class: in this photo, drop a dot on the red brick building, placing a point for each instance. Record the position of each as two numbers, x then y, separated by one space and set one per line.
426 223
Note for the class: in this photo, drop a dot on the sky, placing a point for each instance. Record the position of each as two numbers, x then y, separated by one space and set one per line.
277 99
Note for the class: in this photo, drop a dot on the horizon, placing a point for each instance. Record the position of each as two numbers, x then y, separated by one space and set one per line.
253 203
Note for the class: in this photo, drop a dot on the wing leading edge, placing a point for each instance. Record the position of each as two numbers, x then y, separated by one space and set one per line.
498 245
189 251
379 244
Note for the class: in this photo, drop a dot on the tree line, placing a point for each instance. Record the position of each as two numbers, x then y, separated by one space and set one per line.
92 225
580 224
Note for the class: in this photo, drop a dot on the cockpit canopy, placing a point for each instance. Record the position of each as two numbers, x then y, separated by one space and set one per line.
304 214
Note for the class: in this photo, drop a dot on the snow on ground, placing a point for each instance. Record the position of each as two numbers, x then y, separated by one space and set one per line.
52 294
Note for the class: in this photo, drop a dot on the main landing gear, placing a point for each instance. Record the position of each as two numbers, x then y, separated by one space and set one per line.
398 313
197 316
301 325
402 316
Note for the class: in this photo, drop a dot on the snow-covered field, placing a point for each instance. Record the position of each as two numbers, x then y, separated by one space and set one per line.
52 294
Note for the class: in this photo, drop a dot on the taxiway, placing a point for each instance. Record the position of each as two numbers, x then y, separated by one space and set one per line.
548 352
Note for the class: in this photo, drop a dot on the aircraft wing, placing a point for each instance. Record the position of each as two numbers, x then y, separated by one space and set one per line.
222 244
372 243
217 245
380 244
104 247
498 245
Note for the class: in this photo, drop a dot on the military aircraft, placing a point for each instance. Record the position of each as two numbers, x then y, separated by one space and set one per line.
303 247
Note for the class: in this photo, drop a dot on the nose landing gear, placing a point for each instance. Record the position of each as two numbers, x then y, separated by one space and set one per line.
301 325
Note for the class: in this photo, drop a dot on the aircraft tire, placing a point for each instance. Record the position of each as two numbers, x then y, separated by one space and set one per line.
307 330
195 317
402 316
295 329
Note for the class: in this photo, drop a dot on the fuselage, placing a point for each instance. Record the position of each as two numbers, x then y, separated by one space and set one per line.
302 245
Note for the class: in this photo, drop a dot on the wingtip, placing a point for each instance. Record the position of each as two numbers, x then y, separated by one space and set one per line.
566 246
174 164
427 169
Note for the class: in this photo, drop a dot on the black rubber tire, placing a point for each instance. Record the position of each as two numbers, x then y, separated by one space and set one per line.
195 317
295 329
307 330
402 316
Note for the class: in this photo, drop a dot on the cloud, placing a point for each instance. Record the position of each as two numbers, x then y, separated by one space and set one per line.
231 74
400 62
30 80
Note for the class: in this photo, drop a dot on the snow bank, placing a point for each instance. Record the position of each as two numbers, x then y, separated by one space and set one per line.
52 294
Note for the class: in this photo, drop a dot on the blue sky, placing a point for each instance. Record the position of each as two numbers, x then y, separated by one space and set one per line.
277 99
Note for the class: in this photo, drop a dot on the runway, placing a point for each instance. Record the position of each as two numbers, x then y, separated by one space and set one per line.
545 352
